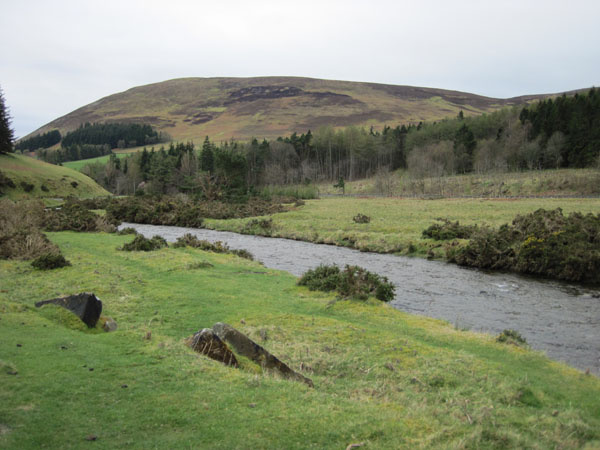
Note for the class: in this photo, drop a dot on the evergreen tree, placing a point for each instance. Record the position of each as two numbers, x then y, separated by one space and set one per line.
6 132
207 158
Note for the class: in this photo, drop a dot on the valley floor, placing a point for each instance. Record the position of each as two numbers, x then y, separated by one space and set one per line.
382 377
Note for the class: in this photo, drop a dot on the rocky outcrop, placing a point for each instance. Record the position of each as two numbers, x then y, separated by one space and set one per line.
245 346
208 343
86 306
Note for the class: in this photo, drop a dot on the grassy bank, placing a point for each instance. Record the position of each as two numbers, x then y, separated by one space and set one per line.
34 178
562 182
396 223
382 377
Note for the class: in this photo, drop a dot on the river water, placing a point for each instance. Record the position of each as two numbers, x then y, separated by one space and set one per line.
563 320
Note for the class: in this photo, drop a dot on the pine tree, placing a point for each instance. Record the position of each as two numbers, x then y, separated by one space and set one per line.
207 160
6 132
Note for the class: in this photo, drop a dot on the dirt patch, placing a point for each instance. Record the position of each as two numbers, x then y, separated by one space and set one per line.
253 93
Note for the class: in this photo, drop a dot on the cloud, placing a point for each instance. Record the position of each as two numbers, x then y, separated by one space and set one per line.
61 55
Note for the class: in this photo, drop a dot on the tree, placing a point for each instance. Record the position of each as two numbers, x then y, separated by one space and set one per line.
207 160
6 132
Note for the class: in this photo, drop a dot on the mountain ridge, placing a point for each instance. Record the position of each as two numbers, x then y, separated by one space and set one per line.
242 108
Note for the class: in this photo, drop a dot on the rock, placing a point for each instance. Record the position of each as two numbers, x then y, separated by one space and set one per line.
245 346
109 325
208 343
86 306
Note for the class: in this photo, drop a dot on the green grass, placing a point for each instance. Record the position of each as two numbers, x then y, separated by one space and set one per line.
58 180
80 164
382 377
396 223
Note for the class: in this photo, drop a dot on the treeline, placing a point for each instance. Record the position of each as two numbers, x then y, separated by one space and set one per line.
116 135
74 153
577 118
40 141
90 141
549 134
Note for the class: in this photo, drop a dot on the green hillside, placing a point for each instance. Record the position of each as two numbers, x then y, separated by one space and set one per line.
241 108
48 180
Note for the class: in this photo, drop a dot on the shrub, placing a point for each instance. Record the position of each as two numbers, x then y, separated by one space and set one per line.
448 230
127 230
142 244
74 184
509 336
75 217
49 261
20 235
258 226
543 243
352 282
6 181
27 187
189 240
44 188
361 218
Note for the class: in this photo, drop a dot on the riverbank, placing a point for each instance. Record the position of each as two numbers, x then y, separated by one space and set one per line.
396 224
382 377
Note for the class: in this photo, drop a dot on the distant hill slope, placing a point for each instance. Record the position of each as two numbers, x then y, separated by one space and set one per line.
59 181
241 108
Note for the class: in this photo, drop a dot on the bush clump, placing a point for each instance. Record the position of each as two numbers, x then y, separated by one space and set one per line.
258 226
27 187
543 243
189 240
20 230
142 244
74 216
448 230
183 212
361 218
127 230
352 282
49 261
513 337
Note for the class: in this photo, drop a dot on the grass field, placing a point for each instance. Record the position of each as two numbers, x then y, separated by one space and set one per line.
396 223
382 377
561 182
59 181
80 164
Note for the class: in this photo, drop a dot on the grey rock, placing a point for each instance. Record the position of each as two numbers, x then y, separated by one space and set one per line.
109 325
245 346
209 344
86 306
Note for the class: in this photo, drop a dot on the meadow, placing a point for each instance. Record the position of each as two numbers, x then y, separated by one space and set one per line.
396 224
383 378
47 180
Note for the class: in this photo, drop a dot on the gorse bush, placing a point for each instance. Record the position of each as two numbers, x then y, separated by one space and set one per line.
543 243
49 261
448 230
142 244
352 282
20 230
189 240
76 217
509 336
182 212
361 218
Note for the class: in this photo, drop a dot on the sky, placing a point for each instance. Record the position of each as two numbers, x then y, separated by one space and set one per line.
56 56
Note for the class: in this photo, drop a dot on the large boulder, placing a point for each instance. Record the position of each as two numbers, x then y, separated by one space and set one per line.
86 306
208 343
245 346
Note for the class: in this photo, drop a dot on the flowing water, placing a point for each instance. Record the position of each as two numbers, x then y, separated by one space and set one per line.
560 319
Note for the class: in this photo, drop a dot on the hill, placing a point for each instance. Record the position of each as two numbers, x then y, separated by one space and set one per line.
47 180
241 108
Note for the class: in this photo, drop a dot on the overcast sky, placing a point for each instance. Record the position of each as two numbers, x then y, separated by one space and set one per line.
56 56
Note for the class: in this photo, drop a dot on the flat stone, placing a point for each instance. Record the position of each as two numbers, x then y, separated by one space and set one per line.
86 306
208 343
245 346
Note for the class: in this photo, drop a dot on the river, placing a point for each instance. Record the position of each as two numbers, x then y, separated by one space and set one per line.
561 319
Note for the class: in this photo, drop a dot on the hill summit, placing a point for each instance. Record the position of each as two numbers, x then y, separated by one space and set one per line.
241 108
